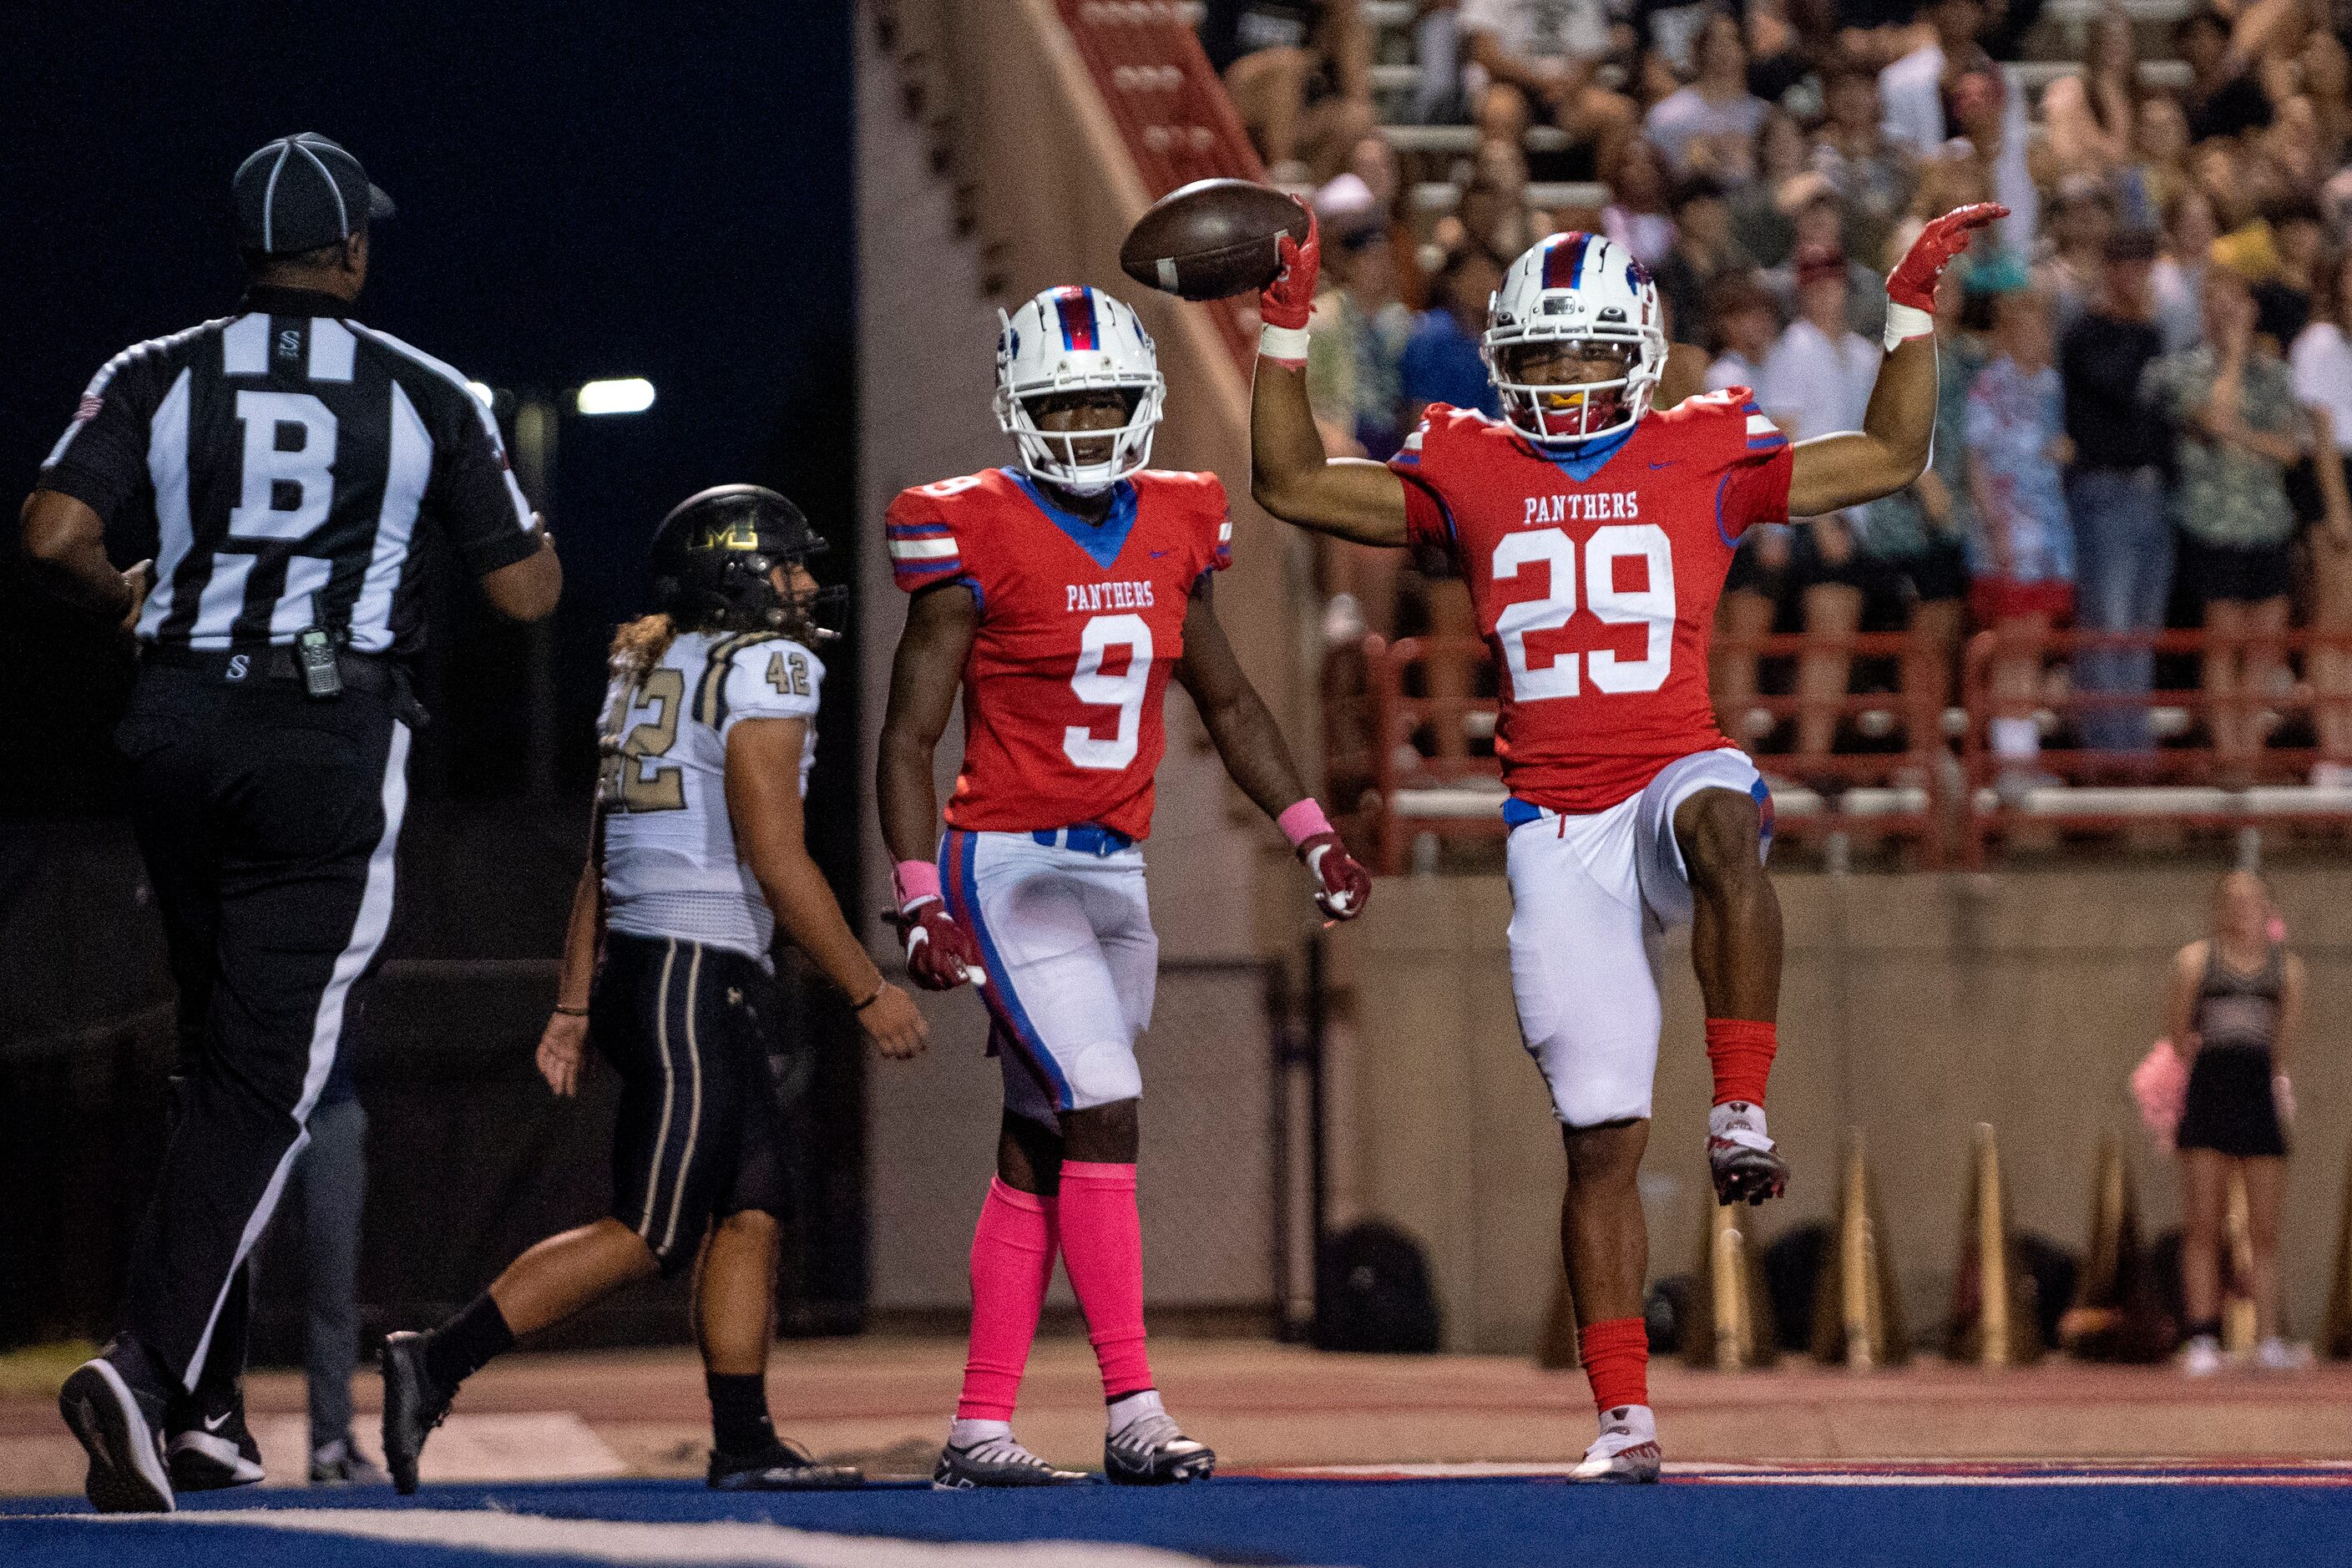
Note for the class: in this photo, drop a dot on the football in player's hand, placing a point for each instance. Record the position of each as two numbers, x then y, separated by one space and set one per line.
1211 239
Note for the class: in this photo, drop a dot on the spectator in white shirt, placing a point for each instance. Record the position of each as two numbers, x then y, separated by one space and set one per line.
1817 380
1538 56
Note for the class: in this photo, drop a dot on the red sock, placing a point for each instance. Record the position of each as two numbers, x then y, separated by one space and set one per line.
1012 1263
1616 1354
1102 1247
1740 1051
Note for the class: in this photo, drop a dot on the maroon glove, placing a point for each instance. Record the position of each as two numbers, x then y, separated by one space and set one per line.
940 954
1342 887
1289 299
1913 281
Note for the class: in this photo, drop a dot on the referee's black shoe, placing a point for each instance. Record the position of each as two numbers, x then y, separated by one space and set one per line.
413 1406
779 1467
209 1450
114 1404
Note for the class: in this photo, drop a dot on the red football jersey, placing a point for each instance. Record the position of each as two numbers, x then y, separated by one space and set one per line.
1080 625
1596 586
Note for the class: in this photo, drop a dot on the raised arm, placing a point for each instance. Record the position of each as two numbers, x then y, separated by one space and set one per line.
1849 468
1289 476
1259 759
763 805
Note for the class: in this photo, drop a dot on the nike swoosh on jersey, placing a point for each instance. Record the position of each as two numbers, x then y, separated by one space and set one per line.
1158 553
1669 463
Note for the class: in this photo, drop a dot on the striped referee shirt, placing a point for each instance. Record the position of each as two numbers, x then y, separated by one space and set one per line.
276 464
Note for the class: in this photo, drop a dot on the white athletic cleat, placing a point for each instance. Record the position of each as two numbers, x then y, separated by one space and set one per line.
2201 1357
1146 1449
1742 1157
996 1460
1627 1449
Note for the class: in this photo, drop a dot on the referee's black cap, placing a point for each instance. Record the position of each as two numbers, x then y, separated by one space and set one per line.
301 191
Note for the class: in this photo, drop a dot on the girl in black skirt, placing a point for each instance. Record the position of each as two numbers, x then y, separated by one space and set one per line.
2237 1007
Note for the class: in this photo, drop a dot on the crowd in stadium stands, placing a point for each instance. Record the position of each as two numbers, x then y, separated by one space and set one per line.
2147 382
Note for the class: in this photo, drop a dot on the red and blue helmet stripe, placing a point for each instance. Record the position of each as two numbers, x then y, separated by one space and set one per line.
1076 309
1564 260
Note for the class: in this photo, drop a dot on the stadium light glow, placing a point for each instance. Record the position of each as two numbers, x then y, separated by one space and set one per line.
630 395
481 389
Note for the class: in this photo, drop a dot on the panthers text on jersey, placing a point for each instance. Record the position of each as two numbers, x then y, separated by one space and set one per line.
670 865
1080 625
1595 582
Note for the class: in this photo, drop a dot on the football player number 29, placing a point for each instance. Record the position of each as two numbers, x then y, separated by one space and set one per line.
1124 691
1650 607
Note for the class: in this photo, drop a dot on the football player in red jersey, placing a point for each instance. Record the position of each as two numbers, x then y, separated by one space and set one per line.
1594 532
1059 596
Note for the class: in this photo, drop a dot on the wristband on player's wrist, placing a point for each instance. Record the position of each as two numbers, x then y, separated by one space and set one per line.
580 1012
880 985
1302 821
1905 322
1285 345
915 880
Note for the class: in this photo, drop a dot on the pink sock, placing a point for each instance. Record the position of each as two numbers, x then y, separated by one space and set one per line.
1012 1263
1102 1247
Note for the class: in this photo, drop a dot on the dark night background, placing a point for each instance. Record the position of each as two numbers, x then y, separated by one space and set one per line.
661 192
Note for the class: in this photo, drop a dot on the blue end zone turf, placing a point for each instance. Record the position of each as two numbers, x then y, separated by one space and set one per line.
1979 1516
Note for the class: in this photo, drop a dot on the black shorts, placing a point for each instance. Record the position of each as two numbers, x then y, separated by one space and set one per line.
2303 487
2232 573
1748 575
2230 1107
692 1030
1939 572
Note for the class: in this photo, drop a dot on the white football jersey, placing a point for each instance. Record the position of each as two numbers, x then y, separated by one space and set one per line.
670 865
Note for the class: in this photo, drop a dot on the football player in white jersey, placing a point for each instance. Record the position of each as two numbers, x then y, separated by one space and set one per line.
696 854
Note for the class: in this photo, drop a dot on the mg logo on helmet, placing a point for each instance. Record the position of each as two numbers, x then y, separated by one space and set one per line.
740 534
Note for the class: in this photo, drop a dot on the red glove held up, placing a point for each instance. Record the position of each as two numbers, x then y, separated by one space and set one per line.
1289 299
940 954
1913 281
1342 887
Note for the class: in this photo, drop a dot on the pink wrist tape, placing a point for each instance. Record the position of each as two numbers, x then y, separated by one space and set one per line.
1303 822
915 880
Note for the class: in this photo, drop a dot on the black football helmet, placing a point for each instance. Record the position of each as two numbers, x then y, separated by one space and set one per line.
711 559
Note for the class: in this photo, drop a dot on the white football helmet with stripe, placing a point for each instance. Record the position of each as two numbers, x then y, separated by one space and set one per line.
1078 340
1586 290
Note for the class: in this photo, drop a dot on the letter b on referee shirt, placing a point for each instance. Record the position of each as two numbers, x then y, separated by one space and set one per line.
289 460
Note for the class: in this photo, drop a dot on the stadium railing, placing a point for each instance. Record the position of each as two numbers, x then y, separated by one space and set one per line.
2181 781
1429 759
1171 108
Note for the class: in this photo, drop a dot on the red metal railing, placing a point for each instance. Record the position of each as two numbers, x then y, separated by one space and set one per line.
1425 751
1170 107
2175 784
1448 789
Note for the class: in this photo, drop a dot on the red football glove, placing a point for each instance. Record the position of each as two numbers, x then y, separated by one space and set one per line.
940 954
1289 299
1342 887
1913 281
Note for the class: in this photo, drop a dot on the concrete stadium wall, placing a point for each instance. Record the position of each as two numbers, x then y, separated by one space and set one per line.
1008 106
1915 1007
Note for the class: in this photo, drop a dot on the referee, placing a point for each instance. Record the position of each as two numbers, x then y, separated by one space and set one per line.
276 465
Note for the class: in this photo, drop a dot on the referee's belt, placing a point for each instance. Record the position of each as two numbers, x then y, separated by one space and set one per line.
1085 838
249 667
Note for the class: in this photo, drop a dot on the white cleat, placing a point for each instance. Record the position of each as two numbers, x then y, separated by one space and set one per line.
2201 1357
1626 1452
998 1461
1741 1156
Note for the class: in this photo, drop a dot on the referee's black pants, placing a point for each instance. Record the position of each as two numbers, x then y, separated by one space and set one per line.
268 822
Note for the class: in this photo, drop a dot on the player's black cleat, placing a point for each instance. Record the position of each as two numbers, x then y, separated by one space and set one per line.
779 1467
1744 1161
213 1450
1152 1451
118 1419
998 1462
413 1406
